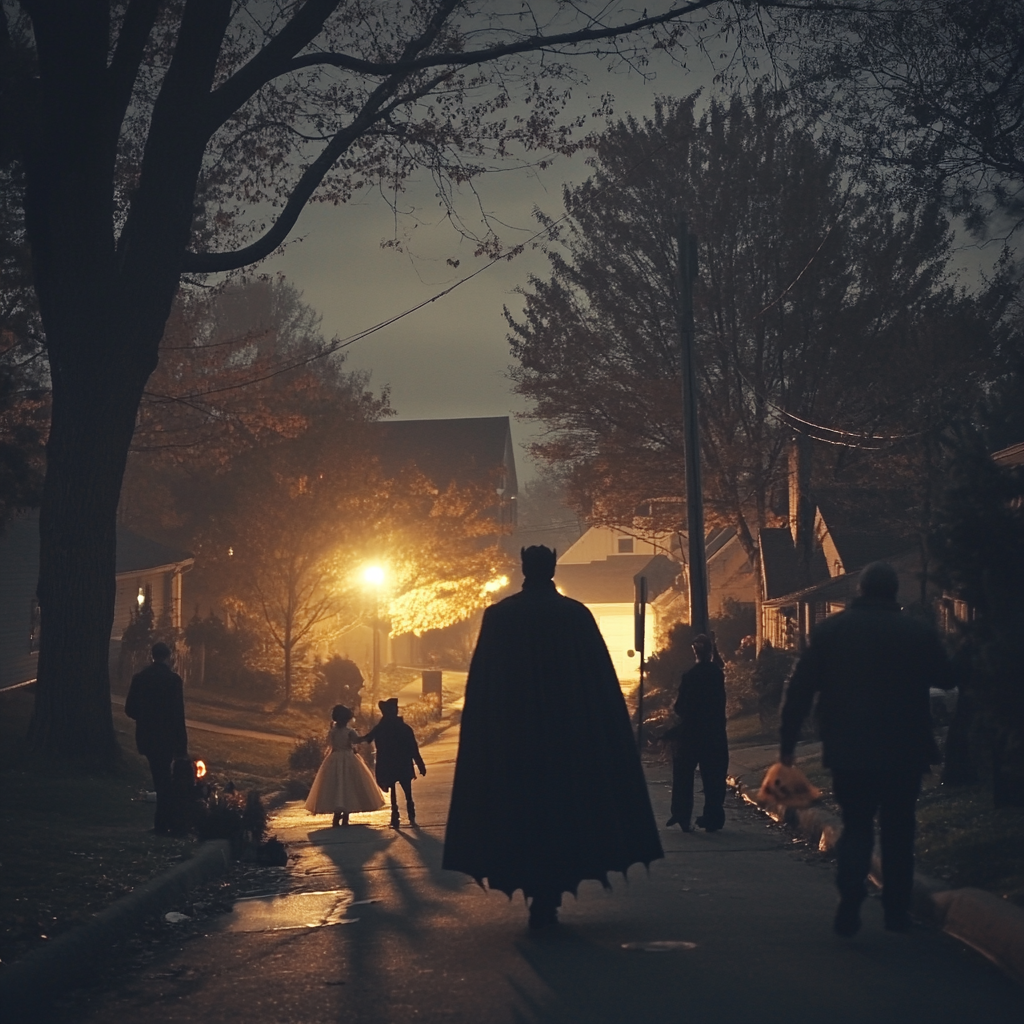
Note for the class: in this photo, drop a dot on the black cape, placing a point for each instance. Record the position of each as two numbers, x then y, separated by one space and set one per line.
548 786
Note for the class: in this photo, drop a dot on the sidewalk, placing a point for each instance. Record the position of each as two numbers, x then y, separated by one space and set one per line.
738 922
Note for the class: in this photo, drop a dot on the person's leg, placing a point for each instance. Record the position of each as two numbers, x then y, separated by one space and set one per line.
160 768
857 795
713 771
396 821
410 806
896 819
544 907
684 764
336 820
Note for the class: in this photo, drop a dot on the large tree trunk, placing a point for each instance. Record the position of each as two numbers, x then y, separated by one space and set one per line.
86 455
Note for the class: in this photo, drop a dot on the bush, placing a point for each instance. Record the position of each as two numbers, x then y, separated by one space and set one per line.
307 754
228 814
337 681
772 670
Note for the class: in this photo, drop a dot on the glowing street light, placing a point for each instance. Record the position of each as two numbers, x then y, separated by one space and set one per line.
374 576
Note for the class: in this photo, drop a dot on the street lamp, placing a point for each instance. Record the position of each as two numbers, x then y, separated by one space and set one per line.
373 576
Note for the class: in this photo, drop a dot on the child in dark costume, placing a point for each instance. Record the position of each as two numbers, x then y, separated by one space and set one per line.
397 749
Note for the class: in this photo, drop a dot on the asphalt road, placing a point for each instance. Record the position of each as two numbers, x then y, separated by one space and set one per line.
431 946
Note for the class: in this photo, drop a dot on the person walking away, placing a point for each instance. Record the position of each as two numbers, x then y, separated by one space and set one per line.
343 784
548 787
397 751
871 667
156 701
699 740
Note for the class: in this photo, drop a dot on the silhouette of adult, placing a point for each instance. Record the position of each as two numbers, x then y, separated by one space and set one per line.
699 740
548 786
870 667
157 703
397 749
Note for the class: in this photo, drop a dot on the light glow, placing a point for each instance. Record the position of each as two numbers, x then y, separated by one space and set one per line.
142 597
374 575
200 769
498 583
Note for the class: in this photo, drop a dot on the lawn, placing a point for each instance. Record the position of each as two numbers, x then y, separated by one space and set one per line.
75 842
962 840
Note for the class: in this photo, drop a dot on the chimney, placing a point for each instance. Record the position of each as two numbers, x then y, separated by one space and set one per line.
801 509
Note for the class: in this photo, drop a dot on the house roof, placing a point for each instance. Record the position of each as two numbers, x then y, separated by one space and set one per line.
139 554
1012 456
134 552
612 580
449 451
844 587
781 566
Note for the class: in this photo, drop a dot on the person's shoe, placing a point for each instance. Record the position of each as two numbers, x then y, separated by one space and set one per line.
395 823
543 916
847 919
699 822
335 820
412 821
671 821
897 921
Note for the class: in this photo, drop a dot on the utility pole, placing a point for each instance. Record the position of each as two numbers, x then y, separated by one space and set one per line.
691 433
639 629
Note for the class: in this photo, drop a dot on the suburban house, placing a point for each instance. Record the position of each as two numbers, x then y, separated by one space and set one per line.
471 450
144 570
465 451
602 570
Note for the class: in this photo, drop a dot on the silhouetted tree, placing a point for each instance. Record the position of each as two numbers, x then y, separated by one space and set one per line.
148 131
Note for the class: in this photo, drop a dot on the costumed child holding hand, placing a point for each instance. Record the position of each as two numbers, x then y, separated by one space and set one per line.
343 784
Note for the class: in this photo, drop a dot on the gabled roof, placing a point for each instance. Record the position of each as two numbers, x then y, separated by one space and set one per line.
612 580
134 552
449 451
140 554
781 567
845 587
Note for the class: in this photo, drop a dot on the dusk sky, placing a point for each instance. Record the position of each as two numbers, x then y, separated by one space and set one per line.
450 358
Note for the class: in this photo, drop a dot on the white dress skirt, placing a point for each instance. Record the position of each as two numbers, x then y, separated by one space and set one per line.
343 782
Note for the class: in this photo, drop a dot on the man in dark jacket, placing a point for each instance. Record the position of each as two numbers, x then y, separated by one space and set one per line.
871 667
699 740
548 786
397 749
156 701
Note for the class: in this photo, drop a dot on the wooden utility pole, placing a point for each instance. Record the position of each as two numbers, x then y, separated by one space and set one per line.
639 631
691 433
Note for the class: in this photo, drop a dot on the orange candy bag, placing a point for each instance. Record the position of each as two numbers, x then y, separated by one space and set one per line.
787 786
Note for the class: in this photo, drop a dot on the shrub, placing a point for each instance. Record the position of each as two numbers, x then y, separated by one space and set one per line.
307 754
337 681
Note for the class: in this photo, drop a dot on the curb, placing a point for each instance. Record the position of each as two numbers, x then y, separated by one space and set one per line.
28 984
990 926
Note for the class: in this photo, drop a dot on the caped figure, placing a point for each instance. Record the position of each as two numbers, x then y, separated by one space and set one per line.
871 667
699 740
156 701
548 786
397 750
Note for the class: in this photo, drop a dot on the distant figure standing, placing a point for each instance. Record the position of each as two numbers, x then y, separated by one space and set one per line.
700 740
871 667
343 783
548 786
397 750
156 701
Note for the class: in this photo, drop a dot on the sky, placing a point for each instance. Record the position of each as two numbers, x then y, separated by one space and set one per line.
451 358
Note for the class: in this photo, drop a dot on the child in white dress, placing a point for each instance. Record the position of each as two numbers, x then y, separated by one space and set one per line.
343 784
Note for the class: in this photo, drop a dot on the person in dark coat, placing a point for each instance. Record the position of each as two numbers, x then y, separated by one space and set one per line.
699 740
397 749
548 786
870 668
157 703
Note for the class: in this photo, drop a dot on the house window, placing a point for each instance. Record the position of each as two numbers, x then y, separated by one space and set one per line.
625 545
